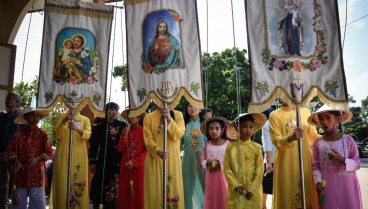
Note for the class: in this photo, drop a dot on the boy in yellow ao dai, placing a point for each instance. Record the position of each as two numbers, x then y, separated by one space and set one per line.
244 176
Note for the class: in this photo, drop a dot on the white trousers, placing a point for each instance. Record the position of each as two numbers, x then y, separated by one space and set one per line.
36 198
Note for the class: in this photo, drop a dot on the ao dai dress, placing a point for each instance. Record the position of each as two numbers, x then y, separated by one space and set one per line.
216 185
193 174
79 163
153 133
286 167
342 185
133 149
250 169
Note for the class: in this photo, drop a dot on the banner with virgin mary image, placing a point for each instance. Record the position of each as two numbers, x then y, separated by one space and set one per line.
74 55
295 52
163 51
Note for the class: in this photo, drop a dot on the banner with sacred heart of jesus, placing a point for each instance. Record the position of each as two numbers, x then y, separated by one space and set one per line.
295 52
74 55
164 57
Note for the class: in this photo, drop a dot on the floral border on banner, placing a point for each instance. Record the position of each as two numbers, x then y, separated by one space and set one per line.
319 49
148 68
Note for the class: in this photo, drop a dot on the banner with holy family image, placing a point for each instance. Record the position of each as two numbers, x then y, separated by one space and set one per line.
164 58
295 52
74 55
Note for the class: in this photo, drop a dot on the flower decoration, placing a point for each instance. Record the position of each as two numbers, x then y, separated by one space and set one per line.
141 93
195 135
71 68
194 87
319 49
48 96
76 189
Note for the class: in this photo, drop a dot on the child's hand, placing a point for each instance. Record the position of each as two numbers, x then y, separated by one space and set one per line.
335 156
125 132
163 154
218 166
34 161
320 191
241 190
129 164
19 166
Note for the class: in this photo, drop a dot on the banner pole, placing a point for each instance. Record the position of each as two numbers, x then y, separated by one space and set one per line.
301 161
69 166
165 163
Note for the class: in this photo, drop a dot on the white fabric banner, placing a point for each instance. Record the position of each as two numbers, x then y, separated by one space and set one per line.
74 55
295 52
164 58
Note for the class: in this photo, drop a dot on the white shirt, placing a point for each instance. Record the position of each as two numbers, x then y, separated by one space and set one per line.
266 142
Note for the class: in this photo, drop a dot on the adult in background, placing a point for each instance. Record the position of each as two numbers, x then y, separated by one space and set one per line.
96 156
269 150
192 143
153 132
207 113
81 130
7 129
285 135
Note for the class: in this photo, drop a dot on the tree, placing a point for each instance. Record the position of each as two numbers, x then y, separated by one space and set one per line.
121 71
26 91
356 125
365 109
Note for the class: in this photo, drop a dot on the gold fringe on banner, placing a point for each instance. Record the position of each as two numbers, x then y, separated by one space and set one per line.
86 101
131 2
77 11
171 105
313 91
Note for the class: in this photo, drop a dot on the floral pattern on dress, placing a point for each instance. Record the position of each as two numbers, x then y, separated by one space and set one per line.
195 134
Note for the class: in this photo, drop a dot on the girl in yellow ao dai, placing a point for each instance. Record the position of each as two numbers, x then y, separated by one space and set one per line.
244 177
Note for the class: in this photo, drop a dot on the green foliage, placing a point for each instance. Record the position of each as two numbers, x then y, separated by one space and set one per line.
365 109
27 91
121 71
222 98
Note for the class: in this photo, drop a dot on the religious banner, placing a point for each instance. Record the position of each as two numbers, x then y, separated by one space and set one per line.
74 55
295 52
164 57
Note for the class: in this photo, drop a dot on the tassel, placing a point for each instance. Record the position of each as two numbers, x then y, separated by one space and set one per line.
100 206
131 189
14 196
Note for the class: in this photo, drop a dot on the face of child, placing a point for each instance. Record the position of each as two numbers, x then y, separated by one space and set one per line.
193 111
295 7
327 121
215 130
133 120
208 115
246 129
113 113
32 118
68 45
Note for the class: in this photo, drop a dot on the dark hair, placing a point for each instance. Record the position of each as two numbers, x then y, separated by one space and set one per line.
268 112
167 29
112 105
206 110
222 125
187 116
335 113
81 38
246 118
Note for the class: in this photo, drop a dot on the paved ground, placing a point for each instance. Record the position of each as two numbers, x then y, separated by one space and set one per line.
363 180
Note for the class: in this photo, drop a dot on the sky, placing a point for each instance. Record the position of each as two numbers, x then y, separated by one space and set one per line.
220 37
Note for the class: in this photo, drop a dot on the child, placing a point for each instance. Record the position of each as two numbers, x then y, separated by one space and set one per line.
134 151
29 148
65 52
335 160
244 177
296 16
212 161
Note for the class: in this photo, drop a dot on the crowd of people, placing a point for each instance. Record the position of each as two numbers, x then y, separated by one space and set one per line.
221 167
